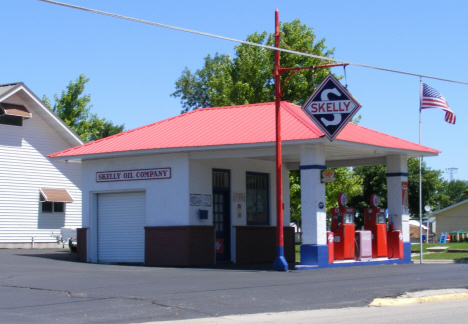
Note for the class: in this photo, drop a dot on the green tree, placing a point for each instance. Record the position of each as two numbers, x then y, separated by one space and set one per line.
105 128
432 186
295 196
375 182
248 78
453 192
346 181
74 109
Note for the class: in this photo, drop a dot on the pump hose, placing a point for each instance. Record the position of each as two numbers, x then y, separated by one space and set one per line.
356 250
390 242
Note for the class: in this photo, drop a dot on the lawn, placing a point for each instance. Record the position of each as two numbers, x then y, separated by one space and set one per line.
445 255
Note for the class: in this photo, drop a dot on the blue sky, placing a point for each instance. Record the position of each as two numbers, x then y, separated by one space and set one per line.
132 67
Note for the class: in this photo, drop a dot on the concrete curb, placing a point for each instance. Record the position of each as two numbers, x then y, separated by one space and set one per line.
416 261
421 297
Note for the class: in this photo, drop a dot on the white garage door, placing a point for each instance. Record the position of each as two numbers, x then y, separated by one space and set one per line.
121 222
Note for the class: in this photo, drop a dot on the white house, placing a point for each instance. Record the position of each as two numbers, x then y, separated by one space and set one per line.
199 188
37 196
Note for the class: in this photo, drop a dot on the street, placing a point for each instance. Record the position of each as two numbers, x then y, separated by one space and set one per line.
49 286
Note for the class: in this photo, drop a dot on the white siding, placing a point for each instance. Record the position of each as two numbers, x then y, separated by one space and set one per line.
453 219
167 200
24 168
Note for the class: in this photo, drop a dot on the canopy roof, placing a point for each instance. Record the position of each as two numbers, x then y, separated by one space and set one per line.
237 127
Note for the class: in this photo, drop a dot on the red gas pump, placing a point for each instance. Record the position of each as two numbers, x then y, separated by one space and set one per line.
395 241
374 221
331 250
342 226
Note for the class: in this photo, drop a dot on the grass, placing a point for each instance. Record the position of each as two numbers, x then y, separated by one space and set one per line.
445 255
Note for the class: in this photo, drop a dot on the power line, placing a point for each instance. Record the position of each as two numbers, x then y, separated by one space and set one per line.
451 171
244 42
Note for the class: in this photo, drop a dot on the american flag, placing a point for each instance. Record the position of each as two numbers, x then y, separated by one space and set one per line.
433 99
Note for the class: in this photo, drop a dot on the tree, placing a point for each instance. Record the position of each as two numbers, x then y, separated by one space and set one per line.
374 182
106 128
434 191
72 107
432 186
453 192
248 78
346 181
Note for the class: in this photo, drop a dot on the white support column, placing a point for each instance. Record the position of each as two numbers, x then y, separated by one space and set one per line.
314 248
397 174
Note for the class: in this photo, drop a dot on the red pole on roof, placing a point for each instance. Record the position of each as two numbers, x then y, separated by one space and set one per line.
280 263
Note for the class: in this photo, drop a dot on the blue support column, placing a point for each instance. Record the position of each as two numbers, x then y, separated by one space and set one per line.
407 252
314 254
280 263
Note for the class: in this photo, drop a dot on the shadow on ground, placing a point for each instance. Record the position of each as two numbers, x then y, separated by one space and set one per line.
66 255
60 255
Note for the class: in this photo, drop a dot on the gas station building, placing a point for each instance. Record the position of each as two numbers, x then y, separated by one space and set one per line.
199 188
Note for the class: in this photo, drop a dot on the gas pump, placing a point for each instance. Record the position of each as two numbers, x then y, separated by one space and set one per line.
342 226
374 221
395 240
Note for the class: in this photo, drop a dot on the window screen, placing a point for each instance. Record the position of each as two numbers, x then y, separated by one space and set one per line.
257 199
11 120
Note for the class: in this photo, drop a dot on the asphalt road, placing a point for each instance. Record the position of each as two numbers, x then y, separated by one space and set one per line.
49 286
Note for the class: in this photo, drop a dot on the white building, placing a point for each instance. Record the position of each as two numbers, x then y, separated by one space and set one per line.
199 188
37 196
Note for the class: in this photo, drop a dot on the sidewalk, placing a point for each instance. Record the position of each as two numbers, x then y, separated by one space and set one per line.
346 315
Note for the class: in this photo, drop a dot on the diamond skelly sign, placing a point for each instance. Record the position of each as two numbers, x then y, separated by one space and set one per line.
331 107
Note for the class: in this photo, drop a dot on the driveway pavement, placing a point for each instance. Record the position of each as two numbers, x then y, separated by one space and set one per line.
49 286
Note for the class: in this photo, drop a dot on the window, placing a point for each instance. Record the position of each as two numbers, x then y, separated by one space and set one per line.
59 207
53 200
257 199
53 207
11 120
47 207
13 115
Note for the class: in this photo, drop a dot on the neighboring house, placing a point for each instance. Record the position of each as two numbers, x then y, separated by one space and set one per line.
37 196
199 188
452 218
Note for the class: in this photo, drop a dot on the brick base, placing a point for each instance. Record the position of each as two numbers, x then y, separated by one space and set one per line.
257 244
179 245
82 248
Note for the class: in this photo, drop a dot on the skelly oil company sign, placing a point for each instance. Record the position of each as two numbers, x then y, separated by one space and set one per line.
129 175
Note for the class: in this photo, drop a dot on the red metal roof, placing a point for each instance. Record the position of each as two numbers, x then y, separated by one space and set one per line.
247 124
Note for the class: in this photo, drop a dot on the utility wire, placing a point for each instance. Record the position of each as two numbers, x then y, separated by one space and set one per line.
245 42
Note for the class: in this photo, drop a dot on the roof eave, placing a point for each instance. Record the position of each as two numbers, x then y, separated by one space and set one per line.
81 157
71 136
415 153
447 208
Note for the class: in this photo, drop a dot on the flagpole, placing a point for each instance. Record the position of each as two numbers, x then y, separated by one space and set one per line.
420 178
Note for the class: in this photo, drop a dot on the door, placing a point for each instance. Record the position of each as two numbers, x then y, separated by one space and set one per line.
121 227
222 214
